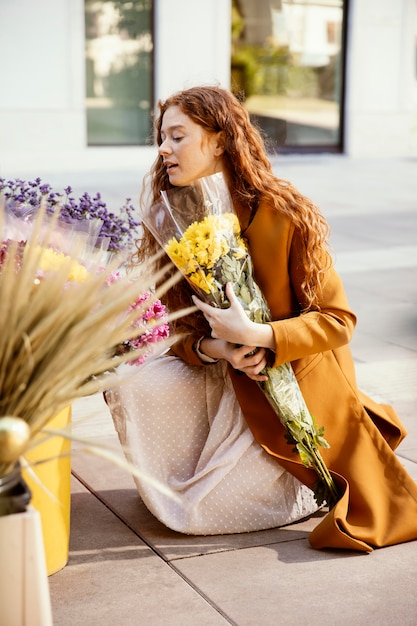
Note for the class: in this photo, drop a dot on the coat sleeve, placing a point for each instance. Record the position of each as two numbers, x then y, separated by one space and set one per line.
184 348
306 334
316 331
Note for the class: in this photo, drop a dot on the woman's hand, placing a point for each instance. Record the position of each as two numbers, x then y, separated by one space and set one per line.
249 360
233 325
235 338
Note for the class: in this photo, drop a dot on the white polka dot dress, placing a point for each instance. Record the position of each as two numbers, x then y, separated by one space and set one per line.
182 426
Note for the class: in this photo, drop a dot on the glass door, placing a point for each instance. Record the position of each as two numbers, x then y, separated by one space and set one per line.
118 71
288 65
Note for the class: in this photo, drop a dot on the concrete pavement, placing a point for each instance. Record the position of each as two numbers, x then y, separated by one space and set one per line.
125 568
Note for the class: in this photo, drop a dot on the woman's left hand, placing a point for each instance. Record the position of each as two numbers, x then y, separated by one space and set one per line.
233 325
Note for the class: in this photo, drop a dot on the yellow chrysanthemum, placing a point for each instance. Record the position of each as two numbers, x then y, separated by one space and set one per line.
240 249
204 244
52 261
228 222
203 258
205 282
220 248
181 255
200 230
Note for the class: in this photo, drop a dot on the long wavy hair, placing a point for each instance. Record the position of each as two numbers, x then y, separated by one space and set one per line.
250 177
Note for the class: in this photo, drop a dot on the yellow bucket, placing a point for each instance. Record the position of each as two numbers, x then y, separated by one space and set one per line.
53 502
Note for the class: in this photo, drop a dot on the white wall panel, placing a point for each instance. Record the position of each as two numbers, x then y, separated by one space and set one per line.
192 44
381 102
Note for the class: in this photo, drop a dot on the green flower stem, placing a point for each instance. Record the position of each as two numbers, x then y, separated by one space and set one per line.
284 395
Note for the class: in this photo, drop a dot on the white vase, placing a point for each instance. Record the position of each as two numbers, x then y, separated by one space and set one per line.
24 586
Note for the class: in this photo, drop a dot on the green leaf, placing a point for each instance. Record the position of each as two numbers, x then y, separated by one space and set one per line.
304 455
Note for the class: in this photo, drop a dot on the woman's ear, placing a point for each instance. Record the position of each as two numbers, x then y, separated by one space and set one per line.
219 145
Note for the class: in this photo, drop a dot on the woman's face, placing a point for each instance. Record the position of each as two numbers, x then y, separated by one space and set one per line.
188 151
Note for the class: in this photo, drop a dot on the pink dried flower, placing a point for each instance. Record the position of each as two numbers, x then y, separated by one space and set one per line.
152 332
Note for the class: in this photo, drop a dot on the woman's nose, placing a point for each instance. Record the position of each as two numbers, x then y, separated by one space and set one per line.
164 148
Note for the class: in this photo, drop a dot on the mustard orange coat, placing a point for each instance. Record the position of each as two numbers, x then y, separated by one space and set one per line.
378 504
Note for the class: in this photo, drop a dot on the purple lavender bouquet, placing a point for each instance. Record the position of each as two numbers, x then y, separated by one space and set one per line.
118 231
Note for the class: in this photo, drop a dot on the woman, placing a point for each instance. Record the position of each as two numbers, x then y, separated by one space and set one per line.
192 434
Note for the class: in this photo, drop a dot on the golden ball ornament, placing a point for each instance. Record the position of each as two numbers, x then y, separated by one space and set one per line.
14 437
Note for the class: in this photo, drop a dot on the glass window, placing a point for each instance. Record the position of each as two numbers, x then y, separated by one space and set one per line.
118 71
287 63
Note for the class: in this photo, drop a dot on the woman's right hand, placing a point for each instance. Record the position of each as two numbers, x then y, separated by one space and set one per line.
247 359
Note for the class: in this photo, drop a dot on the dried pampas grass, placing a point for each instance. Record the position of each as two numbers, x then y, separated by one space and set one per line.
57 340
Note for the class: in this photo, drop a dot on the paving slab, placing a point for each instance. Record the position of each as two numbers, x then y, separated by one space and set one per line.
341 185
112 577
290 583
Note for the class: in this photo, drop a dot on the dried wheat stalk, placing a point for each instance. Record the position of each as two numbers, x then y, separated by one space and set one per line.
57 340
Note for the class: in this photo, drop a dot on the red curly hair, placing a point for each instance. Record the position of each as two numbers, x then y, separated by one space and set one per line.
250 177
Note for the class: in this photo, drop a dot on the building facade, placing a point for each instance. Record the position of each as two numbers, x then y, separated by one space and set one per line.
54 93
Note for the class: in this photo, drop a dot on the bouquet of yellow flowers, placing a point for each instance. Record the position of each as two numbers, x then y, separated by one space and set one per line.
200 232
